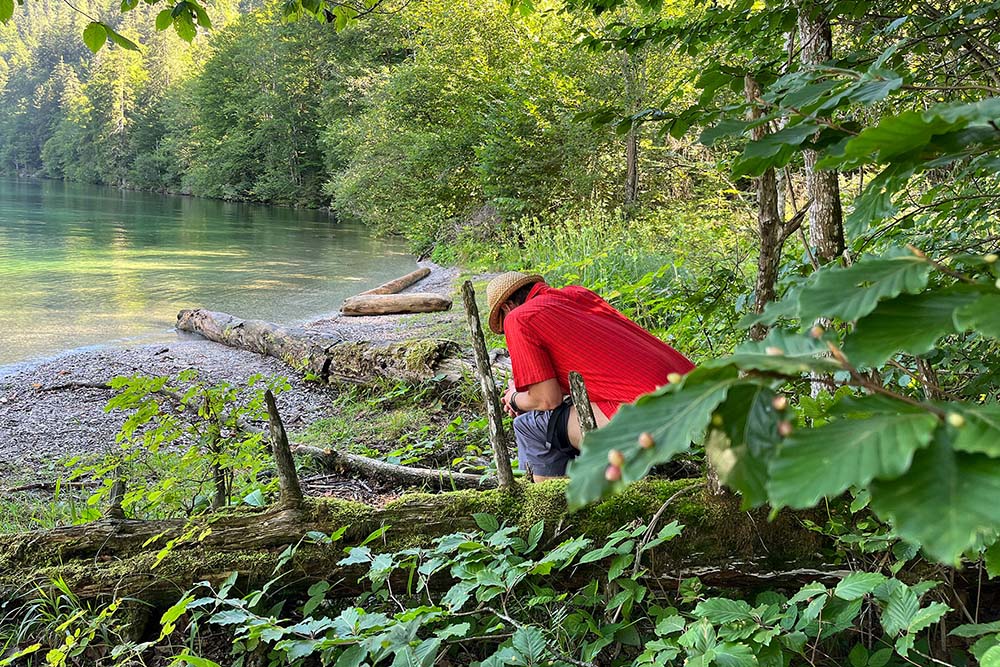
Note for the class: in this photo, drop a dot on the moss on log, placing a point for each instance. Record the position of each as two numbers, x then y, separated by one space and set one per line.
123 557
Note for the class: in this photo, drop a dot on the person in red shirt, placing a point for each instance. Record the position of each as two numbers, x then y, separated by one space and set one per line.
551 332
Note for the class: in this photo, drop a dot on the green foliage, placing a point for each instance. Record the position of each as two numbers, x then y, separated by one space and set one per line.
930 493
501 590
184 447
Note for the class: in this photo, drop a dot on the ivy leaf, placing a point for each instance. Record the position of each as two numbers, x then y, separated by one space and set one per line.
983 315
946 502
95 35
673 416
853 292
910 323
825 461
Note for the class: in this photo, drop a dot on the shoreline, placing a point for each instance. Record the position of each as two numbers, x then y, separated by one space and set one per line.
44 418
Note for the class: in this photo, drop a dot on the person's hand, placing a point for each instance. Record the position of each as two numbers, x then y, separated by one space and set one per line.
506 399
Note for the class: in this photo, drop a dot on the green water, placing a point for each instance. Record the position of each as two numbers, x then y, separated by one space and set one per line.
83 265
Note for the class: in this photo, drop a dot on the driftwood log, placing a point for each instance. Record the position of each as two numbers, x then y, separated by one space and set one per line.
352 465
325 356
394 304
399 284
120 557
386 300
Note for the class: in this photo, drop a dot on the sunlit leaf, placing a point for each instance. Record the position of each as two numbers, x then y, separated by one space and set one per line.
816 462
672 417
95 35
946 502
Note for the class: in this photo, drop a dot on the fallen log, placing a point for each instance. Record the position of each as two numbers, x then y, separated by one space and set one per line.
324 356
123 557
399 284
394 304
352 465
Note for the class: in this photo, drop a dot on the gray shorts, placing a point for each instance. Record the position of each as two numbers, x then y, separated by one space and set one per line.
532 432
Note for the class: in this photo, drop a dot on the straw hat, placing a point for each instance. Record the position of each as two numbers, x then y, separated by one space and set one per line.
500 289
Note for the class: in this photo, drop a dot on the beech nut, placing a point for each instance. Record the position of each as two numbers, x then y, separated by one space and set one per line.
646 441
817 331
955 419
613 473
779 402
674 378
616 458
785 429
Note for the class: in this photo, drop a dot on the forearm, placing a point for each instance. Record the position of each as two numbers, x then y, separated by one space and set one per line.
545 395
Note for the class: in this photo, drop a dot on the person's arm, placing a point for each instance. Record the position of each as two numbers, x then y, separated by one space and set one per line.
544 395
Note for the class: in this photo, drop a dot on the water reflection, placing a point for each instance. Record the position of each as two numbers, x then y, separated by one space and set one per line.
83 265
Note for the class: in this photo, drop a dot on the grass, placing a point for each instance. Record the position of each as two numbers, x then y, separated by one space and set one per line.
407 425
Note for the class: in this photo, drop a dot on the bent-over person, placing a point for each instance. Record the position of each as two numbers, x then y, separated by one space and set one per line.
551 332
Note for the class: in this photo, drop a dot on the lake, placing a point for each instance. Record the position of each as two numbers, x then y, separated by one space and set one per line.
83 265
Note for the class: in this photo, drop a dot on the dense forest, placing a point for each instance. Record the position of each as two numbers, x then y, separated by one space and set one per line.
802 195
411 121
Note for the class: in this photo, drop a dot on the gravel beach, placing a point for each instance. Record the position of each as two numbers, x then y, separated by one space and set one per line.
47 413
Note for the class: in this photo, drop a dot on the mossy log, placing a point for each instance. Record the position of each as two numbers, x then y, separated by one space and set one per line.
325 356
121 557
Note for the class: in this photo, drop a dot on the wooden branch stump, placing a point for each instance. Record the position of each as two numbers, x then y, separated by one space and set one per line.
581 399
498 438
288 480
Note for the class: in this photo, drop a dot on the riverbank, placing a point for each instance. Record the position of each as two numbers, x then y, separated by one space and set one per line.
54 410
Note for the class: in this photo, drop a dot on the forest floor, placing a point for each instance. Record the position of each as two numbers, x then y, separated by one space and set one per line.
54 410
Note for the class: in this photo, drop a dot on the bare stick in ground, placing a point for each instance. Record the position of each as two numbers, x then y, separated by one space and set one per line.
288 480
498 438
581 399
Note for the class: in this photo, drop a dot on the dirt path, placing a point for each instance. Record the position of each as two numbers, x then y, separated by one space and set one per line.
45 416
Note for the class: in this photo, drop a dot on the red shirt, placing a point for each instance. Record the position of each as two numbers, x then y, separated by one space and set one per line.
556 331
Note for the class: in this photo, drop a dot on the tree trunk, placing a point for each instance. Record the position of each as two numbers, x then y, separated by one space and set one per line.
329 357
768 221
826 219
632 167
399 284
123 558
394 304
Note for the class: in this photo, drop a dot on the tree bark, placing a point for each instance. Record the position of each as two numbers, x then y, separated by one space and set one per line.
769 226
826 218
498 437
288 479
394 304
632 167
352 465
121 557
581 399
325 356
399 284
